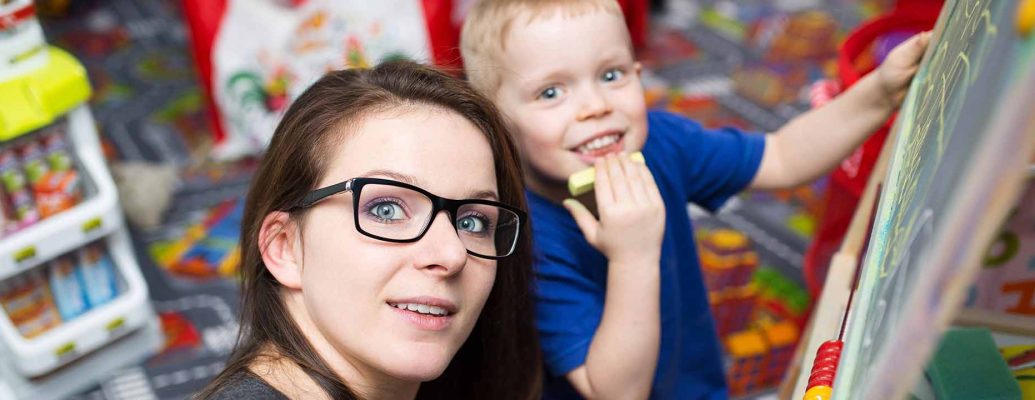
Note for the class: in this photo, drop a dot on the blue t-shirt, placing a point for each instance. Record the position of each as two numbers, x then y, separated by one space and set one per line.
689 164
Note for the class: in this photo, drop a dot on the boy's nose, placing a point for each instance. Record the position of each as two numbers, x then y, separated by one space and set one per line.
594 105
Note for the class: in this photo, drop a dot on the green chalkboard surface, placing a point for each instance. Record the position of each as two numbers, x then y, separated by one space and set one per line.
964 135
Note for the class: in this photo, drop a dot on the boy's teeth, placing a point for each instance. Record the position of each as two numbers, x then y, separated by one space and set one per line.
421 308
598 143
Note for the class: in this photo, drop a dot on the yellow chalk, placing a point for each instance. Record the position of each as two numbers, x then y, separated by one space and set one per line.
582 181
1026 16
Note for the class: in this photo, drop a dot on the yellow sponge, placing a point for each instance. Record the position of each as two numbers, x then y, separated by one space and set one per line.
582 181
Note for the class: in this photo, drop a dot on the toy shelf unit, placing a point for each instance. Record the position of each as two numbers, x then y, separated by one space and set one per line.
50 213
77 303
85 373
70 287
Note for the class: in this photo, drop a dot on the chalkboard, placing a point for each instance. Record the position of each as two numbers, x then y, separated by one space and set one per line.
964 135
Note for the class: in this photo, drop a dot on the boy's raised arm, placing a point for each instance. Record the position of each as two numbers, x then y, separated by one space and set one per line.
813 143
624 349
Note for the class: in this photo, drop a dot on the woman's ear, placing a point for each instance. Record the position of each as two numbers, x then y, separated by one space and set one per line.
278 243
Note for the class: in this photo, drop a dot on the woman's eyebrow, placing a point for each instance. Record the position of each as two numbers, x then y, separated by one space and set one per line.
405 178
483 195
401 177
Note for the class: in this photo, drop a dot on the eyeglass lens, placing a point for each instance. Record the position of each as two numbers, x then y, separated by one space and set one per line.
398 213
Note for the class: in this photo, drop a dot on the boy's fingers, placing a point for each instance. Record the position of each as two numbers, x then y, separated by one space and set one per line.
905 54
637 188
650 186
619 180
583 218
914 48
925 38
602 185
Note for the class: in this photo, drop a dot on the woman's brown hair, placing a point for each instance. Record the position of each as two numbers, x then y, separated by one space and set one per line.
500 359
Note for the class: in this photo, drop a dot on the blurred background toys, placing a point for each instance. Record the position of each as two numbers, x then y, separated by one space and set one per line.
1006 283
727 262
208 249
75 304
758 312
758 357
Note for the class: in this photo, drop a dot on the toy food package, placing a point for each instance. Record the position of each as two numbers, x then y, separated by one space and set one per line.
27 301
15 193
66 287
97 274
55 149
60 187
34 164
4 219
57 191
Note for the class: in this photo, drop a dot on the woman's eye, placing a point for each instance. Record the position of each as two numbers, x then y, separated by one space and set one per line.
471 224
549 93
612 75
387 211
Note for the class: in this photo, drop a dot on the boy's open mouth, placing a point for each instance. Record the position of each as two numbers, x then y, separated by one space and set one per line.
601 144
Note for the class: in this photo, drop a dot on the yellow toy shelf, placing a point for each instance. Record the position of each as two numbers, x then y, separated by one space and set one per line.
35 99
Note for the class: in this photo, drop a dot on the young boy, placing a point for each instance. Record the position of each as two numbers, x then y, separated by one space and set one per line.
621 307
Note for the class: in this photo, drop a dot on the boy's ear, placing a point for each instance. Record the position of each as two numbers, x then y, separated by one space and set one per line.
279 246
638 68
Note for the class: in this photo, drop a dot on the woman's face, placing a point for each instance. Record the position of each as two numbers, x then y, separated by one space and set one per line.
356 289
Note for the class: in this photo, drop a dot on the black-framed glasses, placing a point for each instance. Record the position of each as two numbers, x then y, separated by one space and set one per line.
402 213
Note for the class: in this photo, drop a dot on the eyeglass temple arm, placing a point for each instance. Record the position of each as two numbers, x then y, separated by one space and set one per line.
319 194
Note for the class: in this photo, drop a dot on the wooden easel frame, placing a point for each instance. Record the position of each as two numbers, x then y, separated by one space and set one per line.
832 304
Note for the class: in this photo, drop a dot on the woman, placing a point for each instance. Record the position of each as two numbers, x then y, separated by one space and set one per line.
355 283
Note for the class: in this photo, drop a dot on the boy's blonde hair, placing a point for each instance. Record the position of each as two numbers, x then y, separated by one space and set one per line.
487 24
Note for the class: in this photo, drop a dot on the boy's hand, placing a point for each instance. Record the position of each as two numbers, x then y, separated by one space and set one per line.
897 70
632 214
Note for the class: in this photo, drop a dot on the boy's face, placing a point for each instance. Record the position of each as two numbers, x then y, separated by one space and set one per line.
571 88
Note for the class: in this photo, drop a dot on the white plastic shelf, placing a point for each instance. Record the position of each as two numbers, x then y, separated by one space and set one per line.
99 215
83 374
97 327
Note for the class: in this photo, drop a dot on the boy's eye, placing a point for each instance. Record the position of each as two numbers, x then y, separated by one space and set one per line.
612 75
549 93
